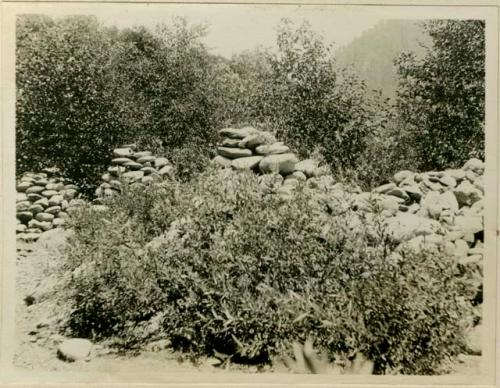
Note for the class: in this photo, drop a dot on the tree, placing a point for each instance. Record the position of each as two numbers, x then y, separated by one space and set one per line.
441 97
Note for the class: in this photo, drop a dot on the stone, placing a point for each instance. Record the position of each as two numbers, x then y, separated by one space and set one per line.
291 181
135 176
448 181
54 210
231 143
21 197
22 206
161 162
241 133
453 235
397 192
133 166
35 209
114 184
138 155
431 204
49 193
166 170
461 248
448 201
147 180
34 197
254 140
413 192
24 217
413 208
474 165
106 177
281 163
43 202
467 194
307 167
117 170
28 237
56 200
405 226
43 225
35 189
384 188
246 163
148 170
402 176
20 228
123 152
272 149
55 186
471 176
69 187
41 182
57 222
74 349
469 224
457 174
69 194
23 186
300 176
233 153
44 217
146 159
120 161
222 161
109 193
479 184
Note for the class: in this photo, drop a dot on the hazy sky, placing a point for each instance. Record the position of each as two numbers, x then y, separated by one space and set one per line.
237 27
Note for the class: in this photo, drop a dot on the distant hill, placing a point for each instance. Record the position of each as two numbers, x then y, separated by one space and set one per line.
373 53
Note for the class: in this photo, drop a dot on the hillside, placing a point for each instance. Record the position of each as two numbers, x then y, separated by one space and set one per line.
373 53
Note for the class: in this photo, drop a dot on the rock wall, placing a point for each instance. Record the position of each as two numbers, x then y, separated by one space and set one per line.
132 167
42 202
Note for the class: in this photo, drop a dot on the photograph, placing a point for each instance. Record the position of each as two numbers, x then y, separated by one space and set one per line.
250 193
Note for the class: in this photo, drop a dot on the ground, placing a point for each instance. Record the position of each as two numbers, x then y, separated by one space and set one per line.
37 313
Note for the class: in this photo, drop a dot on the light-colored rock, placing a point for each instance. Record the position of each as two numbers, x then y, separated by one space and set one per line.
106 177
231 143
54 210
49 193
21 228
35 209
133 166
55 186
32 197
117 170
166 170
272 149
23 186
257 139
69 194
221 161
300 176
246 163
74 349
413 192
398 192
280 163
448 181
147 180
35 189
384 188
241 133
431 204
58 222
457 174
474 165
479 184
44 217
20 197
138 155
405 226
461 248
56 200
161 162
233 153
146 159
22 206
28 237
401 176
123 152
148 170
448 201
467 194
307 167
134 176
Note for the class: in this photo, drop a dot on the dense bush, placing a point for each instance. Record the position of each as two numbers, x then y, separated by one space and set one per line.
221 264
441 97
66 114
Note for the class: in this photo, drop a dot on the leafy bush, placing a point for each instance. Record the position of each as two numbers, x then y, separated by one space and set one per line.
220 264
441 97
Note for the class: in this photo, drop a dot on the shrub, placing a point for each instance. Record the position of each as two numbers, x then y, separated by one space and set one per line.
441 97
220 264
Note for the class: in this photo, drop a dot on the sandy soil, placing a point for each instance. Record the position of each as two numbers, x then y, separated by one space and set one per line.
35 358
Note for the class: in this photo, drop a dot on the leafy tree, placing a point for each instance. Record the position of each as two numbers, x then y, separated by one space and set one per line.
441 97
66 111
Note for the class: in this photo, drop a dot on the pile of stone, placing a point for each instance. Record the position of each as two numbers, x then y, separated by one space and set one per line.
132 167
42 203
249 148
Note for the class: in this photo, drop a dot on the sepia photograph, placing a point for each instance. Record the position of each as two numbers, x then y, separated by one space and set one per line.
240 193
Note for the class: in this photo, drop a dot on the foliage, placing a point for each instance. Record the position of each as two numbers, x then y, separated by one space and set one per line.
441 97
220 264
66 112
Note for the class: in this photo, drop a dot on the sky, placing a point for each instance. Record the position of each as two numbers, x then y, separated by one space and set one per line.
234 28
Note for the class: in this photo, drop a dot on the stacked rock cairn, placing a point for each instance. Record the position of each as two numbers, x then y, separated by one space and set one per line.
42 203
134 168
249 148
